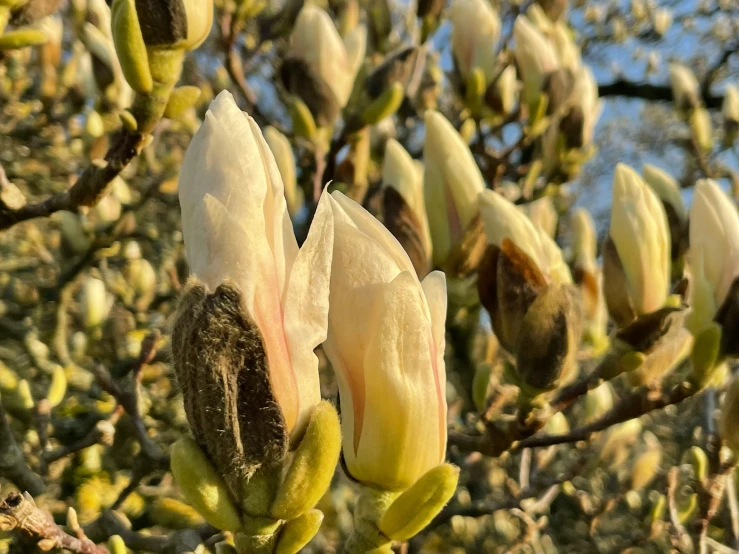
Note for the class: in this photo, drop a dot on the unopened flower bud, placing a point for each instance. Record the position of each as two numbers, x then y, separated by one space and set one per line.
713 258
535 57
636 256
404 210
283 153
685 88
668 191
414 509
662 20
475 32
452 182
202 486
700 125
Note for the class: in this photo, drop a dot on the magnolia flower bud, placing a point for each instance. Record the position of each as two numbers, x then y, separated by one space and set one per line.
589 277
728 428
700 125
535 57
95 302
636 256
685 87
141 28
502 94
662 20
730 111
542 214
452 182
526 286
260 295
283 153
730 107
386 345
320 67
714 253
404 211
668 191
475 32
567 51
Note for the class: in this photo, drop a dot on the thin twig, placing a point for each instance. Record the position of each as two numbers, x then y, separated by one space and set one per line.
20 513
12 465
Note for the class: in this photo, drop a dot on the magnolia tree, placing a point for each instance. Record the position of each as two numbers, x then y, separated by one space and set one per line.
368 276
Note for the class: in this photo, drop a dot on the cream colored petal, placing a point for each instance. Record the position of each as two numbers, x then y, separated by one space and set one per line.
370 226
444 147
666 187
714 229
404 418
434 289
306 309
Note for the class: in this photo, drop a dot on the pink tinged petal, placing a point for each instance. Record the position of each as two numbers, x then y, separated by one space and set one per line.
359 267
224 236
434 289
277 220
400 438
306 309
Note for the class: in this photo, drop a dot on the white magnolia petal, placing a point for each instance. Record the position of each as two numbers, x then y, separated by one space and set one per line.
397 375
370 226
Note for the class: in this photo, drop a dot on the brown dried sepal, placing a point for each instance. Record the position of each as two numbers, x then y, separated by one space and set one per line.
299 79
647 330
464 259
508 283
406 227
728 317
548 338
221 365
615 289
163 22
553 8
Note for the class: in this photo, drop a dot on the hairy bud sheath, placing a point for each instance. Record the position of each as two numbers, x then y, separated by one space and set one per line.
249 321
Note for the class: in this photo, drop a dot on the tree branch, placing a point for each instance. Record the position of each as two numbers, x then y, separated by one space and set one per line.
12 465
20 513
647 91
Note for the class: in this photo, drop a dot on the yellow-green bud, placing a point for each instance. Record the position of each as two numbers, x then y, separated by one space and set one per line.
181 99
202 486
706 352
312 466
417 506
22 38
130 45
128 120
116 545
659 508
298 532
645 468
475 88
57 388
699 462
700 123
480 384
173 514
303 123
385 105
